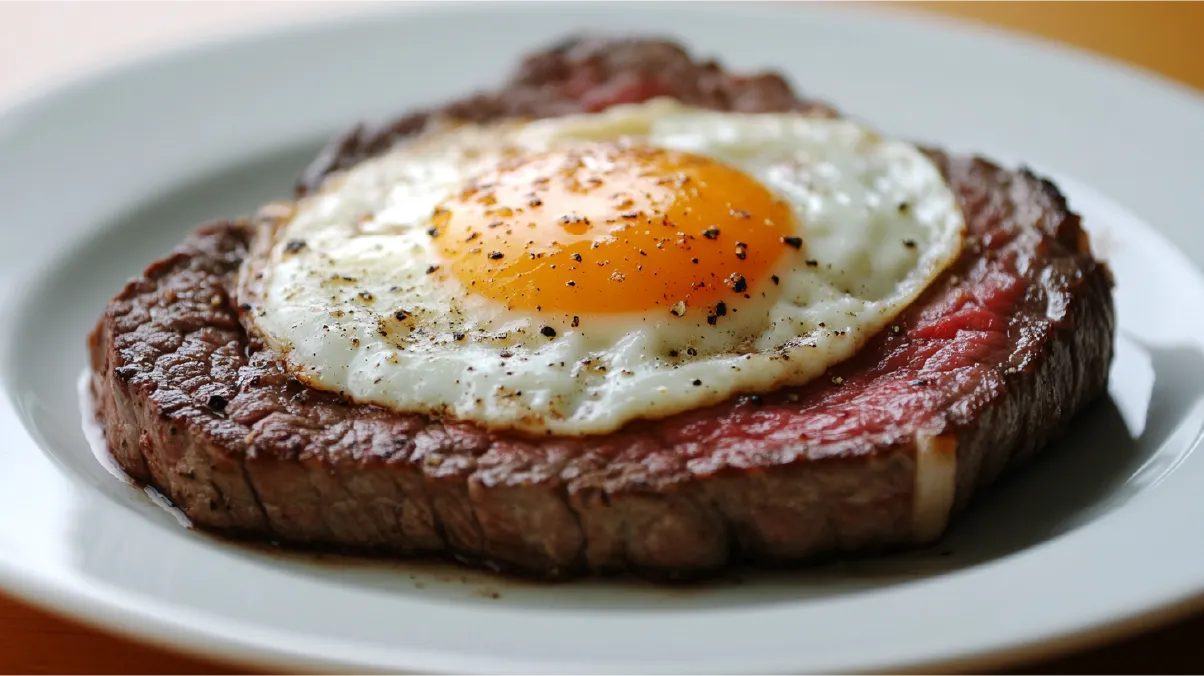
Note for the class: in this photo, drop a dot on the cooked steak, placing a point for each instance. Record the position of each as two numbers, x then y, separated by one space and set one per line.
991 363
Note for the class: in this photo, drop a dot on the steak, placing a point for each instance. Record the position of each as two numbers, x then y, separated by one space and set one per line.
992 362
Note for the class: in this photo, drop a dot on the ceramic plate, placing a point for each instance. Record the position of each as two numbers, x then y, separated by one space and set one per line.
1099 536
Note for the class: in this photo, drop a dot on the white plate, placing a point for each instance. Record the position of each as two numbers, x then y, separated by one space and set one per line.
100 177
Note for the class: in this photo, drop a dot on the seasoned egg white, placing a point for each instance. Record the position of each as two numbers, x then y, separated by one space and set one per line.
570 275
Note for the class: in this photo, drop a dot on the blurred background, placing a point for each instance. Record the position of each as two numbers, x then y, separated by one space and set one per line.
49 39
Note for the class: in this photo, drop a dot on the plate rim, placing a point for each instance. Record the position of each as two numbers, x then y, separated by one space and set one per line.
100 609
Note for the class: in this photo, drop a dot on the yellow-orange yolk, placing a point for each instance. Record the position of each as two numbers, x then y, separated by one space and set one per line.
613 227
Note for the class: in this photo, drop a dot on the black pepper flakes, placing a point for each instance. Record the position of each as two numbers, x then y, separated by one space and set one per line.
711 232
401 315
577 257
775 279
694 261
495 255
909 243
548 332
741 250
811 263
739 284
721 309
793 242
570 283
431 269
576 321
697 382
294 246
458 336
433 232
217 402
692 352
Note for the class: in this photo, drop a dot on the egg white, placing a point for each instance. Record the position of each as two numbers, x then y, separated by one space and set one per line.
356 297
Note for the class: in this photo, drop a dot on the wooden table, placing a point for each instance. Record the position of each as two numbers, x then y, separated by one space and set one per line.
1167 38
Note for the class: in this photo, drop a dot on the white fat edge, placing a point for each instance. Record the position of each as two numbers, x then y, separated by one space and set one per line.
935 485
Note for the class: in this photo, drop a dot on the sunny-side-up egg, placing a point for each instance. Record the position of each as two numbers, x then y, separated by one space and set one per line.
570 275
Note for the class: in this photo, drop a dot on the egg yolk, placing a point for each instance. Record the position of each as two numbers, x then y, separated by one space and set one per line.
613 227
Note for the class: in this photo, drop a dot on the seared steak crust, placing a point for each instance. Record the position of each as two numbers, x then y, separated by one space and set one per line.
992 362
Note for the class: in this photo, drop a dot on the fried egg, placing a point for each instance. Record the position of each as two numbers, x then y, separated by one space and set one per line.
570 275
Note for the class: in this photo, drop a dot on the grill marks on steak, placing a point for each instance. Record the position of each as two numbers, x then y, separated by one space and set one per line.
992 361
168 343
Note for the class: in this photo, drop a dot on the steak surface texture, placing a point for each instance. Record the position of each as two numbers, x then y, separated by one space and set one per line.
992 362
